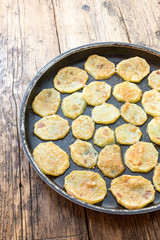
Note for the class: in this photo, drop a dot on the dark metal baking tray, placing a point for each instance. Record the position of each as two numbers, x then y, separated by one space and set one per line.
44 79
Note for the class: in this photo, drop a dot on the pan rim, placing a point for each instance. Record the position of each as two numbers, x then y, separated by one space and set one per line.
22 126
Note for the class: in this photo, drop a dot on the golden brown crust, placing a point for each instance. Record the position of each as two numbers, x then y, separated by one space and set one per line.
141 157
105 113
96 93
156 177
132 192
70 79
51 159
133 114
133 69
83 127
99 67
154 80
87 186
46 102
53 127
153 129
104 136
83 154
151 102
73 105
128 134
110 161
127 92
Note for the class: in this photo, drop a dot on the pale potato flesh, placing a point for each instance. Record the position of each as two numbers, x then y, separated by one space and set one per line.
52 127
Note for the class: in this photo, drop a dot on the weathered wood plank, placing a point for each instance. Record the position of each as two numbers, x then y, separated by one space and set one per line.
10 209
60 219
81 22
142 20
30 209
132 227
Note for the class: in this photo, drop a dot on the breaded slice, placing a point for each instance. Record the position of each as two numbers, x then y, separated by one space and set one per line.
99 67
104 136
156 177
51 128
128 134
70 79
154 80
127 92
133 69
73 105
134 114
83 154
46 102
96 93
141 157
151 102
153 129
132 192
105 113
51 159
83 127
87 186
110 161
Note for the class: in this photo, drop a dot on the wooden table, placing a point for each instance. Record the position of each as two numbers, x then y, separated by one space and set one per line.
32 32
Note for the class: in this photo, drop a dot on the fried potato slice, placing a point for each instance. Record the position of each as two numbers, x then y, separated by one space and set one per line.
83 154
46 102
51 159
87 186
133 69
104 136
110 161
153 129
53 127
83 127
128 134
96 93
105 113
141 157
154 80
151 102
73 105
132 192
127 92
70 79
156 177
134 114
99 67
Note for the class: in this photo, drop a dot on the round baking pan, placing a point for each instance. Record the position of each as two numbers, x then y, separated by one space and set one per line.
115 52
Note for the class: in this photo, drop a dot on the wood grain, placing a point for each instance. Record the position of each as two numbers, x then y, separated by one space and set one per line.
143 227
31 34
29 208
142 23
93 22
